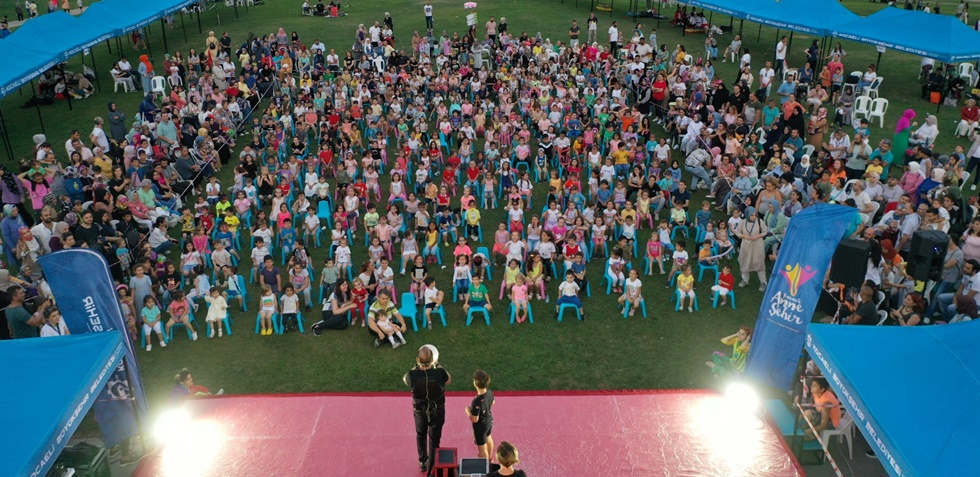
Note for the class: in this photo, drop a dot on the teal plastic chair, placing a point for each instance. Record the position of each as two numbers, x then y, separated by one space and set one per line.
276 323
226 321
477 309
715 296
568 306
643 308
513 313
677 298
702 268
191 320
408 310
439 310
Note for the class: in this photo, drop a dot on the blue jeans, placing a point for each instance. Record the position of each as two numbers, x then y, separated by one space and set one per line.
941 289
162 248
698 173
946 306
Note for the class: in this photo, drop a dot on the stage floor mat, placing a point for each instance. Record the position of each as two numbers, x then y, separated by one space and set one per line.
628 433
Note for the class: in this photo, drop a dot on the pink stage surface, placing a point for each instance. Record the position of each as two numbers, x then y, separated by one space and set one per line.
642 433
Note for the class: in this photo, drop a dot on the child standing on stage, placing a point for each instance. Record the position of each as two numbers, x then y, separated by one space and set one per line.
479 412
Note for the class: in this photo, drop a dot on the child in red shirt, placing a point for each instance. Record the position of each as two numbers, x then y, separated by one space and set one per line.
726 282
360 299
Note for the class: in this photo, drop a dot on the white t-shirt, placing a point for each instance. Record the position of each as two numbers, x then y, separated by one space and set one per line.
780 51
633 286
568 288
430 294
765 76
613 34
546 250
289 304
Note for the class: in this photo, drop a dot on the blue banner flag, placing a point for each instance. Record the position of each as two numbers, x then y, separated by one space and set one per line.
793 291
85 292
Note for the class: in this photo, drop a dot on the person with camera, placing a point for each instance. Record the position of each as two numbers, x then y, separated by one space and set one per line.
428 382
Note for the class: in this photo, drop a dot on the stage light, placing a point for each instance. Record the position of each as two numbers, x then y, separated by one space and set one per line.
743 397
189 446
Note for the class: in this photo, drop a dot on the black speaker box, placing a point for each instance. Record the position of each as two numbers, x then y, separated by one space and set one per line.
850 262
926 254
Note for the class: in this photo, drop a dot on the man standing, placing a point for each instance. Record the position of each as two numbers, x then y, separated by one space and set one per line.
781 48
766 75
22 324
428 382
573 33
593 24
492 30
427 9
613 39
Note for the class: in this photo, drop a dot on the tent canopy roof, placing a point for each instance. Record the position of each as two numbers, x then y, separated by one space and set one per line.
913 392
942 37
50 383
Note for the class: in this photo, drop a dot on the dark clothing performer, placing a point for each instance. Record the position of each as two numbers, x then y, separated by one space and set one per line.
428 383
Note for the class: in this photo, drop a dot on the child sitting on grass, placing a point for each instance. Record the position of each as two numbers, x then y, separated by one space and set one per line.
384 323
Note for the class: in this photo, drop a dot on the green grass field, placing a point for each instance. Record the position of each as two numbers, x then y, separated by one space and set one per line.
666 350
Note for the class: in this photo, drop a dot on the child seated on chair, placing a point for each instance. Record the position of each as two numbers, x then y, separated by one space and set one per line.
655 254
151 322
679 259
231 283
385 276
511 273
179 313
704 255
519 296
472 217
626 247
360 293
685 288
703 217
217 310
726 283
678 217
220 257
462 275
632 294
289 304
267 307
477 296
500 239
568 293
578 267
446 223
432 298
615 270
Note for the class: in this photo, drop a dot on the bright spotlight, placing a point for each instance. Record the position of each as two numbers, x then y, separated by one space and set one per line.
743 397
170 425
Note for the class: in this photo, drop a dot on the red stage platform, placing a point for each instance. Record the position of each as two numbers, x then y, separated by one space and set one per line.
655 433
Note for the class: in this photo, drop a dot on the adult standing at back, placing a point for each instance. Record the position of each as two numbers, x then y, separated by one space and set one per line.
781 49
428 382
593 24
751 255
22 323
573 33
427 10
613 39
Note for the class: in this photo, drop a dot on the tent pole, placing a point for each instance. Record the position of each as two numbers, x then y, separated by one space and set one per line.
183 26
146 40
741 22
789 46
37 106
200 31
67 91
878 63
758 37
236 10
95 70
163 30
109 45
217 18
6 138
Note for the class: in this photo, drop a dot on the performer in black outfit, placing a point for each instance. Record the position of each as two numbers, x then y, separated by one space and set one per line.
428 382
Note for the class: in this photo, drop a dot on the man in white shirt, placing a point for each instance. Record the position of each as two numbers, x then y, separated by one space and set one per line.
375 33
689 141
318 46
861 198
644 51
781 49
427 10
766 74
613 39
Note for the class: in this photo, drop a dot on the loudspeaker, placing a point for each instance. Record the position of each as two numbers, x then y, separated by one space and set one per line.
926 254
850 262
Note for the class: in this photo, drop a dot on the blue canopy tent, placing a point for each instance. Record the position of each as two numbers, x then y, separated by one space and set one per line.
941 37
50 384
804 16
732 9
913 392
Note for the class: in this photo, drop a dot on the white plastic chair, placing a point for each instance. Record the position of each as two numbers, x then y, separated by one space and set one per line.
879 106
158 84
790 71
126 82
874 210
845 430
862 106
965 70
871 90
882 317
808 150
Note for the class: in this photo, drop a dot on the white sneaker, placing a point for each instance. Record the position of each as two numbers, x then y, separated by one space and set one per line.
149 347
220 331
690 309
973 187
194 336
395 345
212 333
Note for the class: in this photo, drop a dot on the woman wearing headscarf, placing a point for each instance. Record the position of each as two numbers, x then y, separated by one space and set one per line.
817 128
752 254
777 222
804 170
926 134
145 70
10 226
148 108
900 141
911 180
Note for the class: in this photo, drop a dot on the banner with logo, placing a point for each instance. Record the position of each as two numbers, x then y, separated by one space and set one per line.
85 293
793 291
